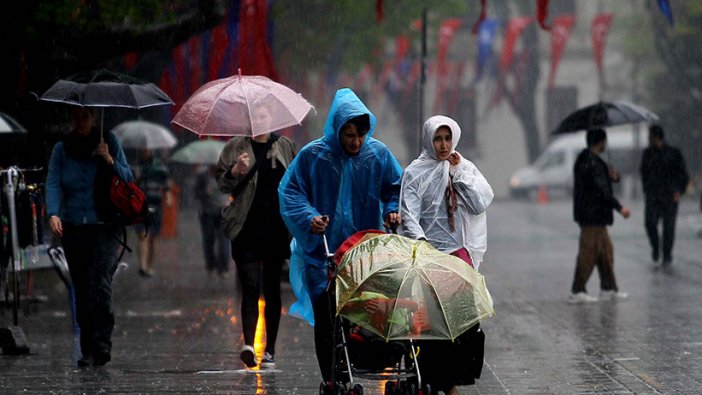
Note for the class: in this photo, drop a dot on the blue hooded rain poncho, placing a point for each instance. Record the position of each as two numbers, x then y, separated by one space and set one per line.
355 191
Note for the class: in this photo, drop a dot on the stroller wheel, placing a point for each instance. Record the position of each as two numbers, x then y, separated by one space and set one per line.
390 388
425 390
411 389
403 389
332 389
356 390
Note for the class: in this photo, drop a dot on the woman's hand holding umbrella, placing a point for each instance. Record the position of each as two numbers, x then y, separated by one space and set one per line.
242 165
103 150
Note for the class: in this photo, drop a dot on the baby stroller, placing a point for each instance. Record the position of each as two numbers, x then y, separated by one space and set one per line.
391 293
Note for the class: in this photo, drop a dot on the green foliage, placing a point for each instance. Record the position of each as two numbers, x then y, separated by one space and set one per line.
311 34
88 16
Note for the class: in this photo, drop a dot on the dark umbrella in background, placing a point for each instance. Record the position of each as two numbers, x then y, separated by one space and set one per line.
609 114
12 135
603 115
9 125
104 88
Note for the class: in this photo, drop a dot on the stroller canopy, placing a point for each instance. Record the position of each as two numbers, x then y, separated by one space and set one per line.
399 288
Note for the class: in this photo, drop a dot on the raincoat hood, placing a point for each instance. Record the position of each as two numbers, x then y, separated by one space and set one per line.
429 130
423 197
345 106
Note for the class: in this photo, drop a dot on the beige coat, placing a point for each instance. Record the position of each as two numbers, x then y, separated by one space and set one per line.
234 215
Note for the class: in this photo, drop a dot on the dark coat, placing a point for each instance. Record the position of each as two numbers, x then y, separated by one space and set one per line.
593 198
663 173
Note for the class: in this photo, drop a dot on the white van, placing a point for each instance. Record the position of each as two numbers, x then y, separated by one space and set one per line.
553 169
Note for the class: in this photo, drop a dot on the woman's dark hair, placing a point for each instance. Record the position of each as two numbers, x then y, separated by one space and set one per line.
362 123
595 136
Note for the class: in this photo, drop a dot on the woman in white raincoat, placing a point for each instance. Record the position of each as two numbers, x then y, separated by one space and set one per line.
448 215
443 199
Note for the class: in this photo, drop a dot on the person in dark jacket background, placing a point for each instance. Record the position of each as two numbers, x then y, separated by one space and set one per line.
593 202
664 178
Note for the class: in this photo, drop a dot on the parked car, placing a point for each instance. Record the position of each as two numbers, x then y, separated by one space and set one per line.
553 169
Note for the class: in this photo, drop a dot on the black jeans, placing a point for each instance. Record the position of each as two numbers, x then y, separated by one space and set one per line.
91 253
655 212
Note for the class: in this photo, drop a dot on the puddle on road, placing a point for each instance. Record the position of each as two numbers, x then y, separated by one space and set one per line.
169 313
238 371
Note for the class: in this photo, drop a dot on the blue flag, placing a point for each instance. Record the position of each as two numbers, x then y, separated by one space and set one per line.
666 10
486 35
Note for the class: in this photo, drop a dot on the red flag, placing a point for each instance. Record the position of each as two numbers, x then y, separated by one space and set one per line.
446 35
542 13
219 44
481 18
255 54
194 58
402 47
447 32
130 60
515 26
560 32
600 28
379 10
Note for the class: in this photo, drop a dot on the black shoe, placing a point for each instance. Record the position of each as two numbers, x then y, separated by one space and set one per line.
101 358
85 360
667 261
655 255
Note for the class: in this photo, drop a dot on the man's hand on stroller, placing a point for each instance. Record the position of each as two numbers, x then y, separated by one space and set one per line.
319 224
392 221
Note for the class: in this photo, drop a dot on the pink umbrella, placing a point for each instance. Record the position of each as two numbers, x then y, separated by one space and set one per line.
241 106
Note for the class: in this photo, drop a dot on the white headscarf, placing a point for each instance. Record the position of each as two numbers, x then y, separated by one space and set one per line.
423 203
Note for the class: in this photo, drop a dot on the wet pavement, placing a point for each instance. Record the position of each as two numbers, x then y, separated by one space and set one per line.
179 332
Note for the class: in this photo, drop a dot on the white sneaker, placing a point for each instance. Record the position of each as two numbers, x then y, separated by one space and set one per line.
248 356
610 295
581 297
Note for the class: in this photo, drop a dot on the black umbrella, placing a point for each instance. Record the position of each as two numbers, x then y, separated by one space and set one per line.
104 88
603 115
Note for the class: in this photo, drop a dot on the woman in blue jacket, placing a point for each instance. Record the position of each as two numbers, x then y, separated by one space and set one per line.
90 243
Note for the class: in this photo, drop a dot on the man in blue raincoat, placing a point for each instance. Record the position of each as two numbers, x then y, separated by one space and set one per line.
338 184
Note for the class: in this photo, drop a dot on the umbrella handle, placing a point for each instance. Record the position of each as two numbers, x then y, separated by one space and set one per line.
102 125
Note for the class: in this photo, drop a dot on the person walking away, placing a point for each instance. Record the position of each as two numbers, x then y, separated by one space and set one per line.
250 169
90 243
443 201
664 178
593 202
338 184
152 177
215 243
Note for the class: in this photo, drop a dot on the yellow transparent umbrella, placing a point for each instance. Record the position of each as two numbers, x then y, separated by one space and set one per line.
399 289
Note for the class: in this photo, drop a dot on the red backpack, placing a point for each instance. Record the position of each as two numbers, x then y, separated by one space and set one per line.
128 200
